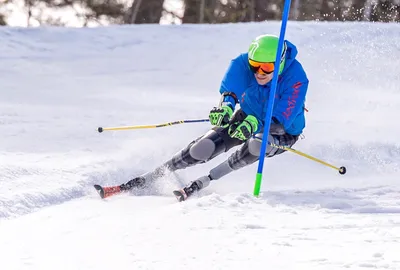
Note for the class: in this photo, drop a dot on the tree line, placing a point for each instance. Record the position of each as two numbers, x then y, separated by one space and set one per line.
200 11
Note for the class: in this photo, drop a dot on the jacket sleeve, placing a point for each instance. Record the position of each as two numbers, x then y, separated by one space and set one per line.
291 101
235 81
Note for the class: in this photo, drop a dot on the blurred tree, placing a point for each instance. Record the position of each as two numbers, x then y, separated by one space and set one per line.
357 10
109 11
2 20
259 10
331 10
95 12
192 11
310 10
4 12
385 11
234 11
294 10
87 10
145 11
228 11
113 10
200 11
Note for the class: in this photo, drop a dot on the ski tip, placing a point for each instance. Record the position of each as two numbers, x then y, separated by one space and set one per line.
106 192
99 190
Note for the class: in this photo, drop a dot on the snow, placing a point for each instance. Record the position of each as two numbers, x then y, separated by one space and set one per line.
59 84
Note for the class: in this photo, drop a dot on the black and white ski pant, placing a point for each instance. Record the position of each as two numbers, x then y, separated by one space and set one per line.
217 141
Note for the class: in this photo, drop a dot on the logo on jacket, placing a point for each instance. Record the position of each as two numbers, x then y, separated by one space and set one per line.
292 100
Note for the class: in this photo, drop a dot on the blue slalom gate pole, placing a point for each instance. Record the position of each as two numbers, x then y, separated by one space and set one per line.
268 114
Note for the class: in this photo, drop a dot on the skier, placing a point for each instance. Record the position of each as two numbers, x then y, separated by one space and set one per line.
247 82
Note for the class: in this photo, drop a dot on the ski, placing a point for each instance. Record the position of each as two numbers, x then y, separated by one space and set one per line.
140 183
105 192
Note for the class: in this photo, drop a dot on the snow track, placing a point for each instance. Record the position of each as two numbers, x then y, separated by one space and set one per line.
58 85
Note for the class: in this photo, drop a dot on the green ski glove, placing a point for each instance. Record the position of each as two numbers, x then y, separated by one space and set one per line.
220 116
245 129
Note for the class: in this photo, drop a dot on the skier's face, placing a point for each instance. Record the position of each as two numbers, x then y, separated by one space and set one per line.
263 79
263 71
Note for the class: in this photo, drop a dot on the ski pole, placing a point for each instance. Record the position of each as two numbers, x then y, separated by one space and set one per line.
101 129
341 170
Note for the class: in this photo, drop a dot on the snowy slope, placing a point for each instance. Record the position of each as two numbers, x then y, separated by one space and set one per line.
58 85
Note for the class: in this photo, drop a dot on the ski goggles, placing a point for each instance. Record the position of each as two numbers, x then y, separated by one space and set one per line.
261 68
266 67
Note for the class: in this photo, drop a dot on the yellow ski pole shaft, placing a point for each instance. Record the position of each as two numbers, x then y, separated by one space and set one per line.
101 129
341 170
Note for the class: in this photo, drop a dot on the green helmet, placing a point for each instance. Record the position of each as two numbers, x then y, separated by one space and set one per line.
263 49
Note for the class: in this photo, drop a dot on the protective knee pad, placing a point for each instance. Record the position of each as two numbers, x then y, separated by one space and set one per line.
203 149
208 147
250 152
255 145
198 151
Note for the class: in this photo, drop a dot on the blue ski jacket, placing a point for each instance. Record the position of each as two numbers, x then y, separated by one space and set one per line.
290 94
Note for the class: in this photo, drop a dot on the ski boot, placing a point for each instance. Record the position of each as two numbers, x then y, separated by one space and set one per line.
191 188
